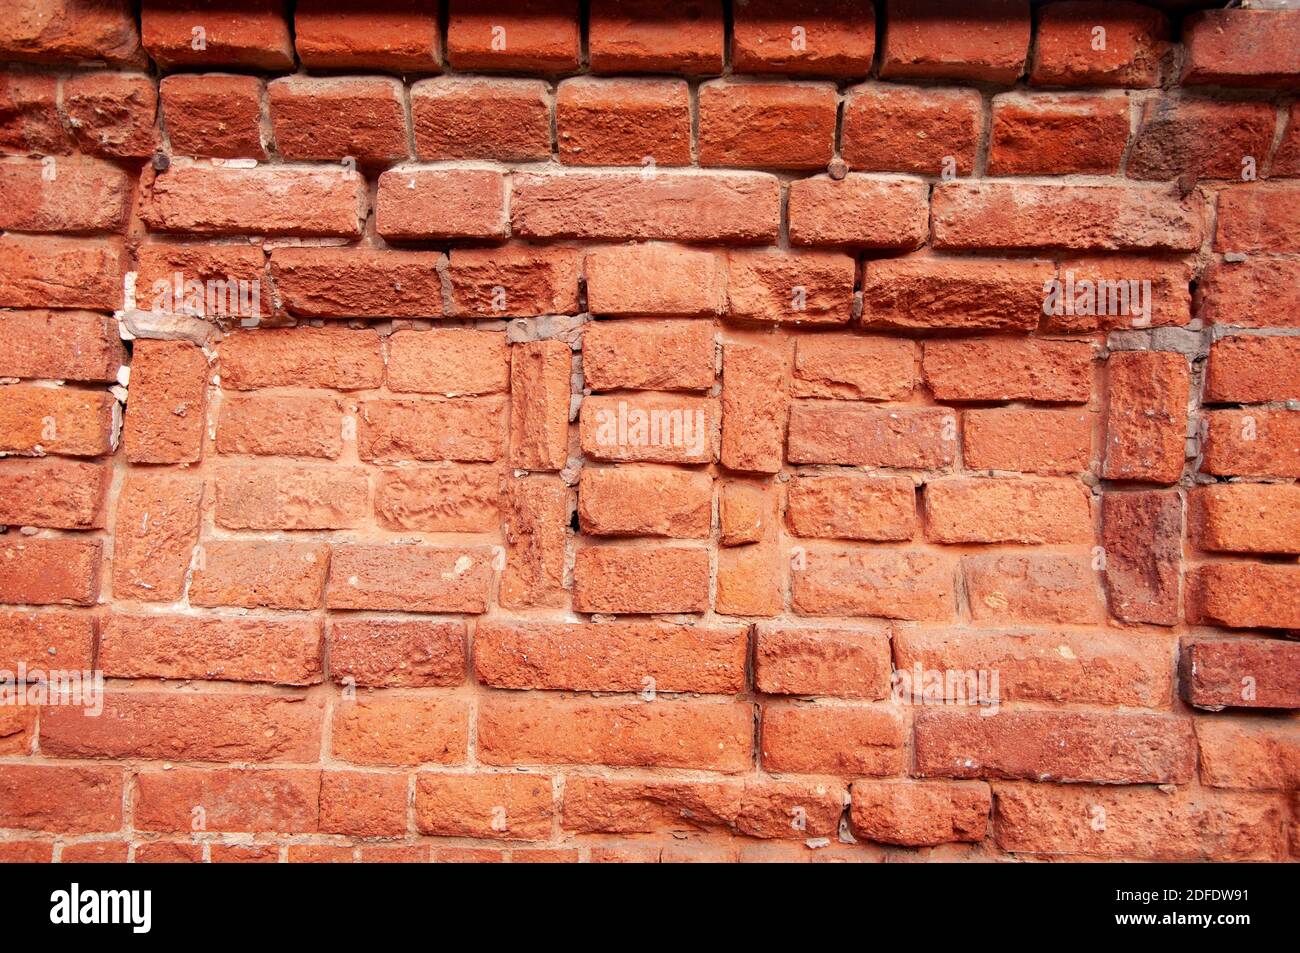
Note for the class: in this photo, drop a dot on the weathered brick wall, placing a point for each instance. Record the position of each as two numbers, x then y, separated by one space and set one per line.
500 431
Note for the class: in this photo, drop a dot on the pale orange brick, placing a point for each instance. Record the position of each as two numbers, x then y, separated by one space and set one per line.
398 730
157 528
448 362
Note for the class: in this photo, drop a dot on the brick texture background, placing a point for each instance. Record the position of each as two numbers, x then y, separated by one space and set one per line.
394 576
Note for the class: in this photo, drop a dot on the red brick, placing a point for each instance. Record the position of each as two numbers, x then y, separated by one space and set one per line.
234 800
281 426
859 211
29 114
1007 215
55 31
810 287
363 804
1032 588
53 493
1244 595
1259 218
1249 754
1246 517
761 808
1027 440
766 125
1204 138
920 814
167 403
442 499
409 578
60 345
71 800
44 572
259 575
333 117
655 281
39 640
400 729
35 852
1242 47
1136 45
211 280
640 579
48 272
1245 369
249 33
112 114
1241 673
1004 368
540 384
1252 442
358 282
35 420
836 38
396 653
319 854
260 497
83 195
213 114
1106 292
280 651
904 129
18 724
1096 747
842 662
844 741
1142 535
988 40
1057 666
394 853
1042 134
523 36
415 203
642 122
650 427
266 200
663 734
645 501
243 854
1286 158
514 281
857 434
611 657
467 429
403 37
724 207
912 293
488 806
1008 510
899 584
640 36
157 528
851 507
854 367
167 726
1114 822
536 541
754 407
1146 422
655 355
448 362
473 117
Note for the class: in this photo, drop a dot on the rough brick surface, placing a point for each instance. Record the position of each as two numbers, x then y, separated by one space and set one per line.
614 431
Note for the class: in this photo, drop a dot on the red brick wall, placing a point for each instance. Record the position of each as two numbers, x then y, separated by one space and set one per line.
385 566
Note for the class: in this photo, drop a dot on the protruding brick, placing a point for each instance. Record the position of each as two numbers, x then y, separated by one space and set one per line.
905 129
745 513
623 122
611 657
475 117
538 513
54 31
1241 673
249 33
767 125
898 584
167 403
987 40
1006 510
334 117
1242 595
213 114
1142 539
625 579
842 662
1065 47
